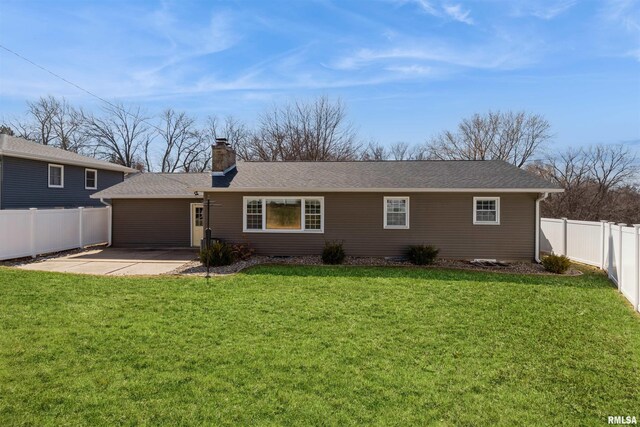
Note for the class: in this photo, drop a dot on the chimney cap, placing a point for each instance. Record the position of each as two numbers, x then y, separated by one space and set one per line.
221 141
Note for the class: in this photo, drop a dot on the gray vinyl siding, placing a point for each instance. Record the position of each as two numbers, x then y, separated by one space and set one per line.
152 222
24 185
444 220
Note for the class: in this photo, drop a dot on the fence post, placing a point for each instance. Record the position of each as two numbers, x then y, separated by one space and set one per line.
636 260
610 249
602 243
619 267
32 231
80 227
109 225
564 236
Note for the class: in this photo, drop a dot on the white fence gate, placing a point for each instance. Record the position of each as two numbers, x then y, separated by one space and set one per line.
38 231
606 245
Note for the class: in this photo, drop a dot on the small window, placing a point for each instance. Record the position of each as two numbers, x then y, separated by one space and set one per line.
90 179
56 176
396 212
486 210
254 214
312 214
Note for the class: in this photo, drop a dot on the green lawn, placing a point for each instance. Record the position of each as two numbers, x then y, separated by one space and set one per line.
316 345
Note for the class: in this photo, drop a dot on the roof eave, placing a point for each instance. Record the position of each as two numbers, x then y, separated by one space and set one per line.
379 190
107 166
144 196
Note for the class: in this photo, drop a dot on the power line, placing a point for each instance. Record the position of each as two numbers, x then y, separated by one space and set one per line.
117 107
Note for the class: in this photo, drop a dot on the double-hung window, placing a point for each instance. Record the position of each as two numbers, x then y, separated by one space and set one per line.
90 179
283 214
396 212
56 176
486 210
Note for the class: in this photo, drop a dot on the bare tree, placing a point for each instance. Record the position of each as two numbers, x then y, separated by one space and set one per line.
599 182
42 113
399 151
316 130
6 130
51 121
178 139
118 134
374 151
237 133
67 125
513 137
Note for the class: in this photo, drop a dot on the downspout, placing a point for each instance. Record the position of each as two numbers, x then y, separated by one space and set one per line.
537 248
110 211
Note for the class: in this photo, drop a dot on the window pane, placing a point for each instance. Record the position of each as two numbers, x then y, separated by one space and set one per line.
254 214
199 217
55 175
396 212
284 214
91 179
312 213
396 218
486 211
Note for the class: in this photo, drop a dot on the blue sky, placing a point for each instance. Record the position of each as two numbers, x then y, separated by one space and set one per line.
406 69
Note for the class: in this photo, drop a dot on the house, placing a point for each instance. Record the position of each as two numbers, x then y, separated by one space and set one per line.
33 175
467 209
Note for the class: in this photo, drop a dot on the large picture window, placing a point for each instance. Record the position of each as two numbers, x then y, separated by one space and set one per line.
283 214
486 210
396 212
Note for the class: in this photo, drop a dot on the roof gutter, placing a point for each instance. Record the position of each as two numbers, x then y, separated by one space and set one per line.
107 166
109 221
537 248
375 190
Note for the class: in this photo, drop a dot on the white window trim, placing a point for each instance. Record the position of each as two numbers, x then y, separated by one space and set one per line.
479 199
384 220
61 175
95 180
245 199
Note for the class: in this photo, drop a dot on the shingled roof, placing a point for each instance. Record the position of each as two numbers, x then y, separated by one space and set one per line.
428 175
157 185
11 146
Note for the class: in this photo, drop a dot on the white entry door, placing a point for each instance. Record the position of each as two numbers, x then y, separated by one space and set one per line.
197 223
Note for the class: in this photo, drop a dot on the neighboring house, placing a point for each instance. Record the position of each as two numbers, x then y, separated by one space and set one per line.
467 209
33 175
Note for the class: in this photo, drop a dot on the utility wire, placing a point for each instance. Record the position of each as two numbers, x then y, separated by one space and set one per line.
117 107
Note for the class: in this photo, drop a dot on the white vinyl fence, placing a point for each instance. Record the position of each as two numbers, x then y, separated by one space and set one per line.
612 247
31 232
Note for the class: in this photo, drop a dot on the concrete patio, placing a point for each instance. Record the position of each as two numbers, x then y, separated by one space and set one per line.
117 262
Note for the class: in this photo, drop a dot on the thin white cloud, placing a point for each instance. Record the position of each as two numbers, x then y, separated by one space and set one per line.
456 12
481 57
411 70
543 9
625 13
450 11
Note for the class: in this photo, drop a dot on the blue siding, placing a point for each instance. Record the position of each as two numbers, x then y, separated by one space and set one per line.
25 185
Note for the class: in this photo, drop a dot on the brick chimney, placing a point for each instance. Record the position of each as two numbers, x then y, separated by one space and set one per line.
223 157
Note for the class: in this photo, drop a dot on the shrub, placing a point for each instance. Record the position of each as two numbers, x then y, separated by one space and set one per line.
556 263
242 251
422 254
333 253
218 254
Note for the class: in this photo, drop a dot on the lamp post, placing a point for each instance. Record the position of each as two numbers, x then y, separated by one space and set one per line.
207 236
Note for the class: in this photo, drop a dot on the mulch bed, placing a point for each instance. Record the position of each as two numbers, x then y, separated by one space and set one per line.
194 268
